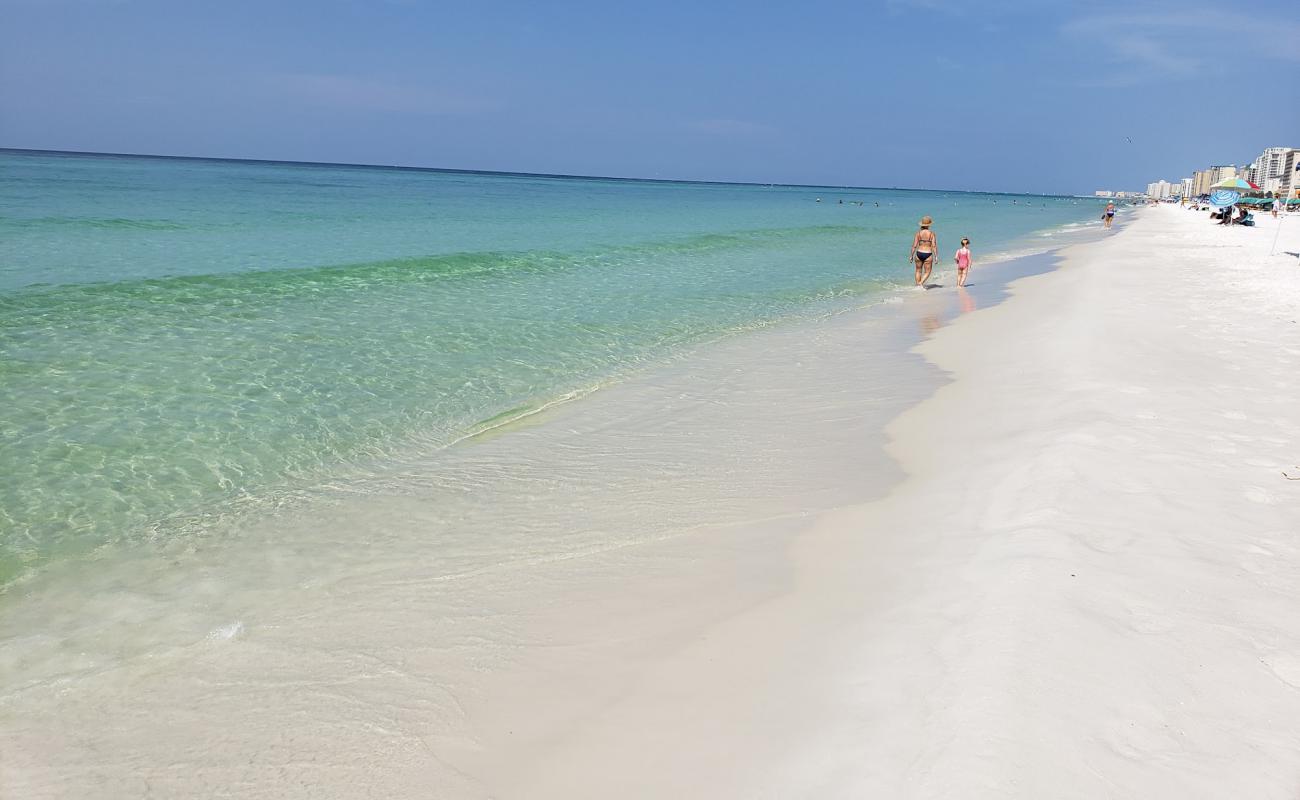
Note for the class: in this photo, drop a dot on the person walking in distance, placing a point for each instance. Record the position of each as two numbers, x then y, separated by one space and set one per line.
1109 216
924 246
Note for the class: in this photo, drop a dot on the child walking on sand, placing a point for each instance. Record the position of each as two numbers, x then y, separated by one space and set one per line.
963 261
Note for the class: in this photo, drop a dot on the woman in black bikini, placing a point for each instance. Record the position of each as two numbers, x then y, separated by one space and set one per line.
924 246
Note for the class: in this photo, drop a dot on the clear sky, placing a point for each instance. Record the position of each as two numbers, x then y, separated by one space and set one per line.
998 95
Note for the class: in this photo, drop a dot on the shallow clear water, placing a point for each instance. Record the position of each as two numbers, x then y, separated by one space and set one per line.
183 339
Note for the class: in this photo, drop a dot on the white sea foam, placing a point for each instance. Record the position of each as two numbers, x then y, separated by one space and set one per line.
226 632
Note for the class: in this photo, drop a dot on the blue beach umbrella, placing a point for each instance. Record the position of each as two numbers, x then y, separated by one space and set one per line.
1224 197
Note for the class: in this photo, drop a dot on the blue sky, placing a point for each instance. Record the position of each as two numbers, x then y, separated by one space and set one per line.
995 95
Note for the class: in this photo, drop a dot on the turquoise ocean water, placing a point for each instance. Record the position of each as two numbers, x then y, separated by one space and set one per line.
182 340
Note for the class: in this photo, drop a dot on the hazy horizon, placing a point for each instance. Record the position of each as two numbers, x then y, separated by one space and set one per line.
1001 96
519 173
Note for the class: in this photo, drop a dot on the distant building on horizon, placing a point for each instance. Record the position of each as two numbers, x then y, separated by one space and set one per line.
1206 178
1289 181
1274 170
1161 189
1268 171
1103 193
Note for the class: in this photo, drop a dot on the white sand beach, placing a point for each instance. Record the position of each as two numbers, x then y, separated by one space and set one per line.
1088 586
426 401
1096 559
1080 580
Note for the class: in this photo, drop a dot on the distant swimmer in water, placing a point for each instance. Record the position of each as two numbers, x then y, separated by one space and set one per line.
924 246
877 204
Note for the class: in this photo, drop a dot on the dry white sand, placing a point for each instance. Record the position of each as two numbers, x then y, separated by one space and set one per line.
1102 593
1088 587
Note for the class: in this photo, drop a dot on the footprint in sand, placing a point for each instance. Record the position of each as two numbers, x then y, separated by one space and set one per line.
1258 560
1286 667
1148 621
1256 494
1140 741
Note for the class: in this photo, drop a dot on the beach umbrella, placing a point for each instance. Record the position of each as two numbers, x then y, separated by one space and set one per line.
1235 184
1224 197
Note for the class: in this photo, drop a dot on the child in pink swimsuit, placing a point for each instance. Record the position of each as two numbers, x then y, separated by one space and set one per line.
963 261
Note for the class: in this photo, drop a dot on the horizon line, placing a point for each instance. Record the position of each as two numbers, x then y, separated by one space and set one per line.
506 173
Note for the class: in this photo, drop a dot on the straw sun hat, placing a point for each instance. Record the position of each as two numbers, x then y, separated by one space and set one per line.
926 221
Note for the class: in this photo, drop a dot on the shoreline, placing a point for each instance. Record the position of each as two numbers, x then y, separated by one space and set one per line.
1085 586
241 615
1064 622
257 357
1081 583
245 510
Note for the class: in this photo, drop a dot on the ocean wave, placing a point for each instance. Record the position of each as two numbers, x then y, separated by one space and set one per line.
93 223
261 285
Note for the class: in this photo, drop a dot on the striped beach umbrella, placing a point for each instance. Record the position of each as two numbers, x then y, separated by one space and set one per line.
1224 197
